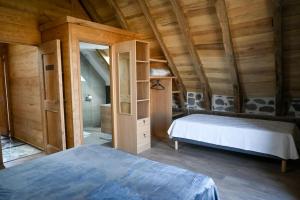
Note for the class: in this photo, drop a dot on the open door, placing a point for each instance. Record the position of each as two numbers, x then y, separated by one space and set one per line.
54 122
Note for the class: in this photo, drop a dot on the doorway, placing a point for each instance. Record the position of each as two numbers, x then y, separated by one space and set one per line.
21 127
95 93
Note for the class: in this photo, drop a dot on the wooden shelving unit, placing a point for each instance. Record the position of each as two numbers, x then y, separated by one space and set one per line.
134 133
143 81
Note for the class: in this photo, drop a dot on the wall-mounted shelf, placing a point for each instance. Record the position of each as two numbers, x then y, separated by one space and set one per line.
158 60
142 81
142 61
142 100
177 114
161 77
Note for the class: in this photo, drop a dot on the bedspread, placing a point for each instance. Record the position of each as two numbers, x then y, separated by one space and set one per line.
96 172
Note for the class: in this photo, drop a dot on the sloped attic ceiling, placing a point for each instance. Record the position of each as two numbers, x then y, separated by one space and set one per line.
237 43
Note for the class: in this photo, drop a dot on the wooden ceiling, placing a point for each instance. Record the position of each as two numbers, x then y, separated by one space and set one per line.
229 47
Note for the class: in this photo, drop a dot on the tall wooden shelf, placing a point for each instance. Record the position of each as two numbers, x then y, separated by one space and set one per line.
162 111
161 102
134 133
161 107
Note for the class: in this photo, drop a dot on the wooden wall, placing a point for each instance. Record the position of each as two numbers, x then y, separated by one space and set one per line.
19 20
291 48
253 40
25 94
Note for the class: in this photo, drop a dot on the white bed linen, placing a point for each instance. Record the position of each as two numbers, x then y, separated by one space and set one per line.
262 136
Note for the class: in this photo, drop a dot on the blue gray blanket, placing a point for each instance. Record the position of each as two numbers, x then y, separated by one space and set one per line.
95 172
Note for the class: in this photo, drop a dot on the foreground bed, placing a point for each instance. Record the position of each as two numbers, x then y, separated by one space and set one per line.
95 172
253 136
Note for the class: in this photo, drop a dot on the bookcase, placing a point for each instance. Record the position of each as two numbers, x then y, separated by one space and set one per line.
133 115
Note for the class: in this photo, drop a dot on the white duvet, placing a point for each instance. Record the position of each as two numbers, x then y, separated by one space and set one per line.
262 136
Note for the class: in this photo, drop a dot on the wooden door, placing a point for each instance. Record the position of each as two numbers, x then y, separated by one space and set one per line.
53 108
125 95
4 128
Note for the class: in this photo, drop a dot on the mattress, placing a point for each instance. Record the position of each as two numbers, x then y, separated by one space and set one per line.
262 136
96 172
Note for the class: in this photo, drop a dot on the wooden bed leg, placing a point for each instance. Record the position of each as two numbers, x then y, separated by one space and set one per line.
176 145
283 166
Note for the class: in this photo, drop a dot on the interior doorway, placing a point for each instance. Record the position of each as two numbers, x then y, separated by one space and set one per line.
21 125
95 93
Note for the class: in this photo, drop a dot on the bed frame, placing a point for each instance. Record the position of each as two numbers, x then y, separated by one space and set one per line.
177 140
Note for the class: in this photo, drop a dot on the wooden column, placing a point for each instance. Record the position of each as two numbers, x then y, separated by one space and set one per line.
198 67
146 12
277 25
229 51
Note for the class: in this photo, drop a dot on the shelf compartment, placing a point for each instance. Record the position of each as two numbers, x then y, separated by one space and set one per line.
142 71
143 90
142 51
143 109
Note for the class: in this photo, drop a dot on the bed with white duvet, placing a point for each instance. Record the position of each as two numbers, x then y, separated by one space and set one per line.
265 137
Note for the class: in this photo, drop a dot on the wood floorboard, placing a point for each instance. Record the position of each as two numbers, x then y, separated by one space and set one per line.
237 176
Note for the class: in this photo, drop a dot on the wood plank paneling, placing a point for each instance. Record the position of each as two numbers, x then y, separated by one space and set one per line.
291 48
25 94
19 20
251 23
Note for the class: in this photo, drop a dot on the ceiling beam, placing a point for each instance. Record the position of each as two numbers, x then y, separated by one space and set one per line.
101 55
221 11
90 11
198 67
278 45
119 15
158 36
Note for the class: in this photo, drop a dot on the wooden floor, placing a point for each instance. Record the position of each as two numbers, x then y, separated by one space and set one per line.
237 176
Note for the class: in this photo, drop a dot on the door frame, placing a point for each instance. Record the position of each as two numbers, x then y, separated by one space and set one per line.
112 85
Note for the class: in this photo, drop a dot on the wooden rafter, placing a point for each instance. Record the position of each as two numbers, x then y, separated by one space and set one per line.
221 10
90 11
119 15
277 24
146 12
198 67
101 56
